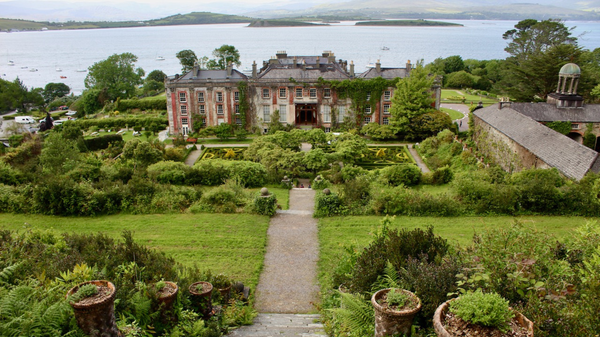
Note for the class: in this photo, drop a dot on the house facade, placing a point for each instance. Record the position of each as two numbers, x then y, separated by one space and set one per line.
297 87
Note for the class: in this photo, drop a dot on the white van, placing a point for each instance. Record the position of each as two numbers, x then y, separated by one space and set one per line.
24 119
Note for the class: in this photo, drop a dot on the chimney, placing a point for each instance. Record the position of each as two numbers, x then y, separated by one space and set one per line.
196 68
282 54
504 103
318 62
229 69
352 69
378 66
408 66
303 65
295 62
254 69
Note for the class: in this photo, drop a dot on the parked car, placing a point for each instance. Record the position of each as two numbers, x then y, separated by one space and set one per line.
71 113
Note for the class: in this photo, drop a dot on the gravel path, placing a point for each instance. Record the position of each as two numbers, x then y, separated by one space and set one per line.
288 283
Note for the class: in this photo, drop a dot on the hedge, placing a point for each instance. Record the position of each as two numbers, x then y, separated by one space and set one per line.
142 104
112 123
102 142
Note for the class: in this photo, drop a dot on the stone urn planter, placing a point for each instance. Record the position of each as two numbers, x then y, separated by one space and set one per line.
202 297
95 314
392 320
223 285
166 294
520 325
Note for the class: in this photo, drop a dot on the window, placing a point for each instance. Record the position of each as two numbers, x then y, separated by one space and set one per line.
386 121
283 113
203 121
184 121
326 93
265 93
313 93
238 121
182 97
386 108
201 109
236 96
367 120
327 129
326 111
282 93
368 109
201 97
220 109
236 108
341 114
387 95
266 113
298 92
219 97
574 126
368 96
183 109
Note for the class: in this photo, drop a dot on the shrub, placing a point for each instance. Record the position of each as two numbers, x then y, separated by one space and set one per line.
441 175
319 184
169 172
223 199
483 309
102 142
249 174
328 205
350 172
407 175
209 172
405 201
265 205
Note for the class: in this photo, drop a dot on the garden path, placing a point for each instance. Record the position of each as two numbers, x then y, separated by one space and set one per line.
463 123
287 288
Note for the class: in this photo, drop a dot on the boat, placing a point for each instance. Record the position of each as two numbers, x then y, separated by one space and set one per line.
58 70
25 67
11 63
33 70
160 58
385 48
62 76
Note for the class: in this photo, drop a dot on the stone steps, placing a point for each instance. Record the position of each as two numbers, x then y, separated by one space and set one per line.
282 325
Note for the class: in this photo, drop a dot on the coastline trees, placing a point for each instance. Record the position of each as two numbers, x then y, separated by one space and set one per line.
223 56
117 75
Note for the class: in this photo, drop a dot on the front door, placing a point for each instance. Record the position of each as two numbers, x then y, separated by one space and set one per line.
306 114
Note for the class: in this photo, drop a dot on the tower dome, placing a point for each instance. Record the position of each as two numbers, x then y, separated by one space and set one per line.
570 69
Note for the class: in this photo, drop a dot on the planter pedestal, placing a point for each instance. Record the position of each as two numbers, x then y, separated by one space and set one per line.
96 319
440 314
202 300
390 322
165 303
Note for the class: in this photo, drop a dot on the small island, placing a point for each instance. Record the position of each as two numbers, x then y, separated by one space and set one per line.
283 23
407 23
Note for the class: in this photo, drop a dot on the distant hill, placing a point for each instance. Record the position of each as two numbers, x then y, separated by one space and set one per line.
283 23
196 18
406 23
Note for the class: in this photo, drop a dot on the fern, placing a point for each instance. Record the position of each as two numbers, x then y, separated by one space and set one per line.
389 279
355 315
7 273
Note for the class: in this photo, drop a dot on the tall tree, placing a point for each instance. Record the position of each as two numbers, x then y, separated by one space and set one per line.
187 59
117 74
55 90
531 37
223 55
412 98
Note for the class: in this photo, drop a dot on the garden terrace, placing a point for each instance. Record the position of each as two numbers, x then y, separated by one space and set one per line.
382 156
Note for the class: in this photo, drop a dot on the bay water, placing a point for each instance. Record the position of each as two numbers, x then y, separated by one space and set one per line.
60 56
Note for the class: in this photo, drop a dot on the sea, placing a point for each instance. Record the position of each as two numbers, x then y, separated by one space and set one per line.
41 57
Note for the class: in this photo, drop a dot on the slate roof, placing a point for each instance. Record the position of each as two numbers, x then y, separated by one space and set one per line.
387 73
312 73
557 150
545 112
212 74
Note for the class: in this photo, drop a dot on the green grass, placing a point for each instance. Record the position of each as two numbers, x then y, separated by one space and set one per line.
453 113
452 96
233 244
337 232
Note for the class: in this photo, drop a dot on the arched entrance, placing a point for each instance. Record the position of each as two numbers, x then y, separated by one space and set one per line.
576 137
306 114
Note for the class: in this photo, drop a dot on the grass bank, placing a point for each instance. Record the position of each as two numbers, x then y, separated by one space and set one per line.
233 244
338 232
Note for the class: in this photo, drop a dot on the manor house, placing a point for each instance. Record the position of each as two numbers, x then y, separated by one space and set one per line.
295 86
515 137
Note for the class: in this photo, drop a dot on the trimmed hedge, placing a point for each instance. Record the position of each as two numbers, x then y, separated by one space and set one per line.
142 104
102 142
112 123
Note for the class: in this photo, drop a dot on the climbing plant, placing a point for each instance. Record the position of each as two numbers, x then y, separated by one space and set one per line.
244 105
562 127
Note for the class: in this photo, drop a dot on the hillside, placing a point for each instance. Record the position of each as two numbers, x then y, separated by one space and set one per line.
406 23
195 18
282 23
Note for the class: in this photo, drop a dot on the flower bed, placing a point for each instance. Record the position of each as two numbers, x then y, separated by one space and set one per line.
227 153
381 156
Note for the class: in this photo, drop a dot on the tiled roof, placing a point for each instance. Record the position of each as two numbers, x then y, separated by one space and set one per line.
387 73
325 71
545 112
557 150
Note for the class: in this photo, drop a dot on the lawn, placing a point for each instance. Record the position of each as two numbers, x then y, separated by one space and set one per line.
337 232
233 244
453 113
453 96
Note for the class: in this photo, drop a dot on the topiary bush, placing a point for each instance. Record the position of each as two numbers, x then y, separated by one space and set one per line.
328 205
407 175
265 205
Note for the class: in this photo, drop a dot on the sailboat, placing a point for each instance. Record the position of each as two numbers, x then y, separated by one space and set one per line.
11 63
160 58
81 70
